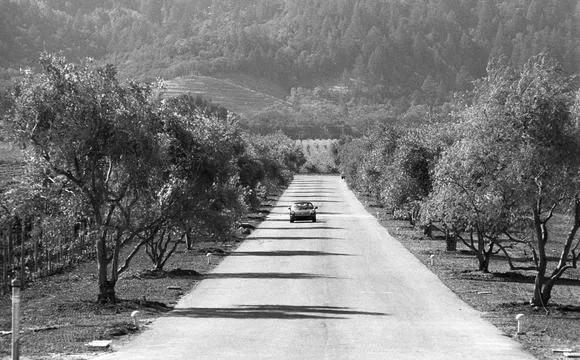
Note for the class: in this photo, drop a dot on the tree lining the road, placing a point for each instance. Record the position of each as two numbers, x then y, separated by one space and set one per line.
136 170
494 175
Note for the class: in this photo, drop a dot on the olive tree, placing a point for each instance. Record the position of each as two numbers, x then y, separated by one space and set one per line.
547 152
517 167
92 137
200 193
472 200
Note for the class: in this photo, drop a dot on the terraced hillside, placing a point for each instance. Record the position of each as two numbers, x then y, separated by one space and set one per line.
10 164
236 98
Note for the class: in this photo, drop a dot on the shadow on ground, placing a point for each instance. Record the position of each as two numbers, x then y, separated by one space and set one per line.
287 253
305 228
273 312
263 276
293 238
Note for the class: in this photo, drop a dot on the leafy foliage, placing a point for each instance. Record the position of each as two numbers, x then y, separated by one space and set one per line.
136 170
496 178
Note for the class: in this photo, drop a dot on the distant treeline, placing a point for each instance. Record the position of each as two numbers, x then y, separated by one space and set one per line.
416 50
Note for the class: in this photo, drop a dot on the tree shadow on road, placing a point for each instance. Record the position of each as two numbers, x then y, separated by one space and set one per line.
293 228
265 275
273 312
314 201
287 253
293 238
286 218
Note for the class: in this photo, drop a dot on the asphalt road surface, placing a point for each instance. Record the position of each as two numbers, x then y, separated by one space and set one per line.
340 288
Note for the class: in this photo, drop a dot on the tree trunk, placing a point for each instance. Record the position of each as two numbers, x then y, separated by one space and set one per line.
428 230
106 287
450 241
107 292
188 239
483 263
541 238
540 297
543 285
482 255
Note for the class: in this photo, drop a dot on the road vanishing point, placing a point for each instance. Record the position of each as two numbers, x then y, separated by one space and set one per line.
340 288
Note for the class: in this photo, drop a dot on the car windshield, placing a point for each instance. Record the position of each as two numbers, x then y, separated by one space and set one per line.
303 206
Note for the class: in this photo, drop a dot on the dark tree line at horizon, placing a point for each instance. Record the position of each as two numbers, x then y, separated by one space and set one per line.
419 51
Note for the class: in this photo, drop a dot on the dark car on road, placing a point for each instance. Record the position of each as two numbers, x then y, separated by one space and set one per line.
302 210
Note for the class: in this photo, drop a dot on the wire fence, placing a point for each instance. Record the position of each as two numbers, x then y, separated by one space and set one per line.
25 252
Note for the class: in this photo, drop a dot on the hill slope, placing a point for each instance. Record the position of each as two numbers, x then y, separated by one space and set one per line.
412 51
10 164
234 97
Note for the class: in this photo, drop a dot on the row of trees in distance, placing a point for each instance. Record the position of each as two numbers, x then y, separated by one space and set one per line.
136 170
495 173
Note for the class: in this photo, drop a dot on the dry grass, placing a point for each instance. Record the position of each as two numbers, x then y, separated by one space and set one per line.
501 294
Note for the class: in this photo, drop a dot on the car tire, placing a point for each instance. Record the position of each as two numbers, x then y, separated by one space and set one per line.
291 220
314 219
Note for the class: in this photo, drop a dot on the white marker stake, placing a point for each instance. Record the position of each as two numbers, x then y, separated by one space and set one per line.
208 256
520 319
432 257
135 316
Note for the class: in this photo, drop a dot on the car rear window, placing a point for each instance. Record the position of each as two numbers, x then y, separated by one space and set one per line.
302 206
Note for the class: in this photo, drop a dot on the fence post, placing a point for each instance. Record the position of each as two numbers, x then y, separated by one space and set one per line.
22 252
15 318
3 257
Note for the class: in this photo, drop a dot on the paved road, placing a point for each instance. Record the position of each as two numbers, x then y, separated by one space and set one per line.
341 288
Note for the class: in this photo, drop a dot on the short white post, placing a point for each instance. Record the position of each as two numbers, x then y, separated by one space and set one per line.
432 258
208 256
15 318
135 316
520 319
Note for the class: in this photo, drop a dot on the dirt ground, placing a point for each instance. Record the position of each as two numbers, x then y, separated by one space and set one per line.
60 315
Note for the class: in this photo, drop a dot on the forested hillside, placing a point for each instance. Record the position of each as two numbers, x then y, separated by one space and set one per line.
363 51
